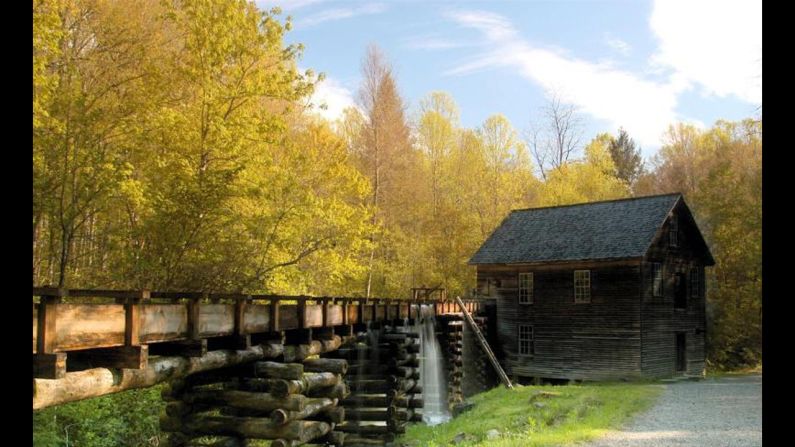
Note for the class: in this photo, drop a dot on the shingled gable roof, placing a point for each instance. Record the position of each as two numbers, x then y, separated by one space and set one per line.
615 229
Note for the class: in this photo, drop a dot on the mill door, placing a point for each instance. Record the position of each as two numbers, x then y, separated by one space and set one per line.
680 352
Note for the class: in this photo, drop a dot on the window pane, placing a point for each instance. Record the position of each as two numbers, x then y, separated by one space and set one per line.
525 340
525 288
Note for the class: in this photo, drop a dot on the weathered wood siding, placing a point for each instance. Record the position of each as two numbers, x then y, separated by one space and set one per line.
98 326
257 319
596 340
334 316
660 319
163 322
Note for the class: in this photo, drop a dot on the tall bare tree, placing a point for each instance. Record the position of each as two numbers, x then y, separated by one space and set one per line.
385 139
556 136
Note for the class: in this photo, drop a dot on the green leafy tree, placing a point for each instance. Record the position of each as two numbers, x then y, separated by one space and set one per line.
591 179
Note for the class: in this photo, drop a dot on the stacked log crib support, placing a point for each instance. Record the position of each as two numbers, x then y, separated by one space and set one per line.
290 404
478 374
452 337
384 381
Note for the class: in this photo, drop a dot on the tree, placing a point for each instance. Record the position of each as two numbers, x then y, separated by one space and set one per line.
556 137
626 157
719 171
436 129
384 149
588 180
94 78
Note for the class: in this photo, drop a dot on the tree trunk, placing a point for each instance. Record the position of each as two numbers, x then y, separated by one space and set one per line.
100 381
246 427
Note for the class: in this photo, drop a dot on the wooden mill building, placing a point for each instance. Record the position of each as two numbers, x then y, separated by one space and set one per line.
602 290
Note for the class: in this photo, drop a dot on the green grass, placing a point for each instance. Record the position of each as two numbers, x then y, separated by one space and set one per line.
578 413
715 373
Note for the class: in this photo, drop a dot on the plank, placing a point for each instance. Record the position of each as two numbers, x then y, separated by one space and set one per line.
83 326
257 318
288 317
334 316
163 322
216 320
313 315
352 313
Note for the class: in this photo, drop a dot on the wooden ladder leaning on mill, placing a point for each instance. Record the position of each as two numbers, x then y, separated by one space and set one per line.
484 344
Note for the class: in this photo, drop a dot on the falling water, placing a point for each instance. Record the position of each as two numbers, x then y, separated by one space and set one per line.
434 386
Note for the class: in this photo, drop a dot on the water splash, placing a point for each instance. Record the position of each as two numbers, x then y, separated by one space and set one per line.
434 385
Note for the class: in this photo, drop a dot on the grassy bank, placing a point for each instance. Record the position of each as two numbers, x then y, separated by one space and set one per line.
716 373
526 416
126 419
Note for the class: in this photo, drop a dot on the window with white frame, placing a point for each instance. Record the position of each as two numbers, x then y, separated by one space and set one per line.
695 282
582 286
526 340
525 288
673 232
657 279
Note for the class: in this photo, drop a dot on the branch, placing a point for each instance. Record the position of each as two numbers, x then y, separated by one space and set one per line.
314 246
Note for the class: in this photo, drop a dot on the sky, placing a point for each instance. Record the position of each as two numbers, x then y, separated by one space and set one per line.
636 64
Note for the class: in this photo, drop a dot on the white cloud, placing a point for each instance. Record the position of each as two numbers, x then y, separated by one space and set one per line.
617 44
335 96
716 44
334 14
432 43
644 108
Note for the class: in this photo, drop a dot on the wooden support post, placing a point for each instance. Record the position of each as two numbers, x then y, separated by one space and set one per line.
47 364
243 339
132 319
345 313
193 318
275 315
325 309
302 313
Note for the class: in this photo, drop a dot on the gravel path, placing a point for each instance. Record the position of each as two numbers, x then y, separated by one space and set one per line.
723 412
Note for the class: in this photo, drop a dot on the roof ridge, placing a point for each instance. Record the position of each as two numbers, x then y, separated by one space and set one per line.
598 201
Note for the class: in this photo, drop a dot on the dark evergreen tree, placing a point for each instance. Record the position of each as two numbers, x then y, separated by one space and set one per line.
626 156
